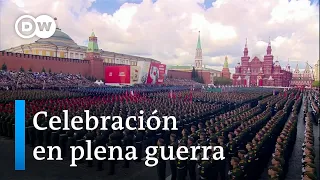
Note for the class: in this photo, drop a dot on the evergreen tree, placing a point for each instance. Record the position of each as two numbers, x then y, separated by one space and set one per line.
193 73
30 70
21 69
50 70
201 80
222 81
43 70
4 67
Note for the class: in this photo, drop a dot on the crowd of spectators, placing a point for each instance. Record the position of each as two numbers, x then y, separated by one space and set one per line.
10 80
180 82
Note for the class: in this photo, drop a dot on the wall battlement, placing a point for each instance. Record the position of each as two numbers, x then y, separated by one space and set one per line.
31 56
87 67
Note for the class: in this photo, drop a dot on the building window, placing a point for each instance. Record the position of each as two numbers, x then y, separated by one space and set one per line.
48 53
81 56
76 56
66 55
71 55
39 53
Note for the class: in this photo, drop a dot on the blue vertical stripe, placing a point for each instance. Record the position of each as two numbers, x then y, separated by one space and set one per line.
19 135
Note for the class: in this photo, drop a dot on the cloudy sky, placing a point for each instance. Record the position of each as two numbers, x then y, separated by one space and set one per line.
167 30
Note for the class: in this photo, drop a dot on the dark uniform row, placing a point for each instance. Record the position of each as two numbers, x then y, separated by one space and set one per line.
309 171
210 132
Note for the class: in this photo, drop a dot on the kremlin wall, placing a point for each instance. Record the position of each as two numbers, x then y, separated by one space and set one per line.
114 68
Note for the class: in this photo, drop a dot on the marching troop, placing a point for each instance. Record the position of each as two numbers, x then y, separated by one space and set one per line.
254 128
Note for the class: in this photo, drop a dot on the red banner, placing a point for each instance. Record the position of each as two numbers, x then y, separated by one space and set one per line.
156 73
117 74
162 72
153 74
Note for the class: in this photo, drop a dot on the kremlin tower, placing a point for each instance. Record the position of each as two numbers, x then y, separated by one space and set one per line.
198 57
94 57
225 70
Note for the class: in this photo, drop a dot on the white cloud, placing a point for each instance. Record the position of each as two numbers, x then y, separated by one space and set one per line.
291 11
167 30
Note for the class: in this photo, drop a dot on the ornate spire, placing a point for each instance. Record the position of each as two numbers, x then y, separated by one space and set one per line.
226 65
93 44
269 48
288 66
297 69
307 69
92 34
246 45
199 42
198 57
245 51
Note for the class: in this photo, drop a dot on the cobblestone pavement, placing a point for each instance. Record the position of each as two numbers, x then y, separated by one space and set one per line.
295 166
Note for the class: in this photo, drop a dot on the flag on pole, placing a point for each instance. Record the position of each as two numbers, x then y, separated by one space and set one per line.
171 94
190 96
285 92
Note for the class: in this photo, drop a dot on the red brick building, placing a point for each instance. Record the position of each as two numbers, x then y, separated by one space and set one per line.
302 79
261 73
225 70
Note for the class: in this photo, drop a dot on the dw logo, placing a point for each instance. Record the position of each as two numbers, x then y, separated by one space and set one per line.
27 26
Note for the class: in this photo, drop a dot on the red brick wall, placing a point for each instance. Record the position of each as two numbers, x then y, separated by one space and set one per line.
206 77
225 73
179 74
15 61
187 75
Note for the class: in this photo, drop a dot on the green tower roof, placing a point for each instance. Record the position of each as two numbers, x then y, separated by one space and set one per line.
199 42
226 65
92 45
